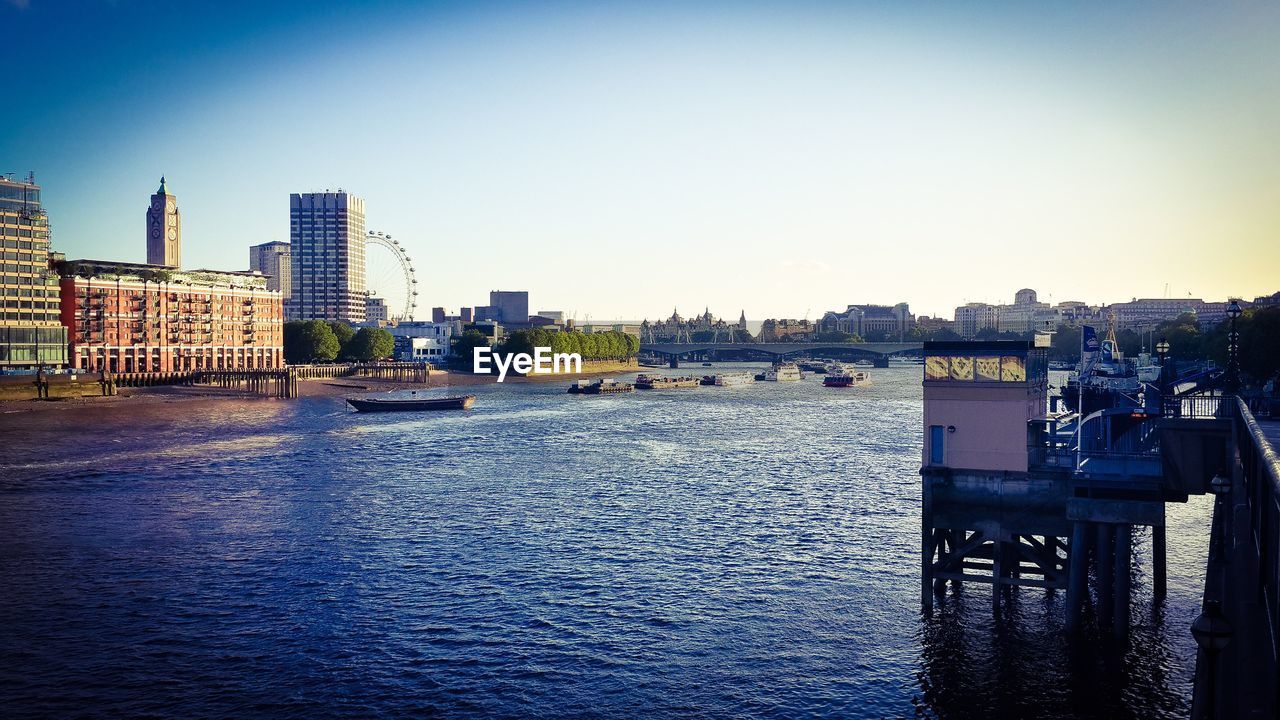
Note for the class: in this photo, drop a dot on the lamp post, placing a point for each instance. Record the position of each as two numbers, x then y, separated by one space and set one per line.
1233 348
1212 632
1162 350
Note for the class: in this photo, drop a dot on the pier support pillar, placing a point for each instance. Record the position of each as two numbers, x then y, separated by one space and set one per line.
1078 575
673 362
927 542
1123 542
1106 573
997 570
1159 568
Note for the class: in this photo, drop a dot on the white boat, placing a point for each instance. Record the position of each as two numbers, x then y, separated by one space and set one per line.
783 372
848 378
734 379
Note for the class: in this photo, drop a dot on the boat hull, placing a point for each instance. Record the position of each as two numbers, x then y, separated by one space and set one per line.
463 402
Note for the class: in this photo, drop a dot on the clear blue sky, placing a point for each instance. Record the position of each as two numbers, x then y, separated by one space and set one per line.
621 159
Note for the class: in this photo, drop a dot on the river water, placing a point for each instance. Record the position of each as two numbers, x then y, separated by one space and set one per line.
718 552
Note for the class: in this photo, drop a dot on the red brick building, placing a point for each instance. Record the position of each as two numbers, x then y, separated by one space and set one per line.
124 317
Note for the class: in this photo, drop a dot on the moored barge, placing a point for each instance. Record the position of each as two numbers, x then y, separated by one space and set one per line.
603 386
463 402
660 382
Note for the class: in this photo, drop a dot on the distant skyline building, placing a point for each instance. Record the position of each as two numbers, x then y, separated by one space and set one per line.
510 307
31 331
327 238
376 311
273 260
164 229
876 322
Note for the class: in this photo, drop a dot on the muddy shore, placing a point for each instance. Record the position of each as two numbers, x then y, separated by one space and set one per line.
332 387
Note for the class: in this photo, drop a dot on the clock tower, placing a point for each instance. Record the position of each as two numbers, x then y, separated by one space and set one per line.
164 229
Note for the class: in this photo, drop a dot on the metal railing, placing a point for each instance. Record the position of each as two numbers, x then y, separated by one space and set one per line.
1261 466
1104 434
1198 406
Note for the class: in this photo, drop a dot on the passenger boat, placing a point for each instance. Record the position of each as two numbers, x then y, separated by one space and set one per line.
783 372
463 402
660 382
707 380
846 377
1107 380
733 379
603 386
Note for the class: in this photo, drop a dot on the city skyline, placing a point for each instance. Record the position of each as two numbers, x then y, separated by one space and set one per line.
773 161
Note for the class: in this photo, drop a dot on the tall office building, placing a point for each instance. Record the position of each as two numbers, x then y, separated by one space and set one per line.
327 240
272 259
164 229
31 331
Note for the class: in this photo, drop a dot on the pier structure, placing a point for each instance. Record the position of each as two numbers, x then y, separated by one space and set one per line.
1014 496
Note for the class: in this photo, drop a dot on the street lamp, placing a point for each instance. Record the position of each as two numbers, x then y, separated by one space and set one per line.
1212 632
1162 350
1233 348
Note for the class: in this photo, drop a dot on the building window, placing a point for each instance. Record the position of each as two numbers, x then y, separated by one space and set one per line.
937 434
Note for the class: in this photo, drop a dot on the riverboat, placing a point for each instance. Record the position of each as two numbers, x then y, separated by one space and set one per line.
660 382
733 379
847 377
783 372
1107 379
463 402
604 386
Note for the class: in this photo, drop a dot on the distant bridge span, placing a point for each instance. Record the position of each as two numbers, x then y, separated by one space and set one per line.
875 350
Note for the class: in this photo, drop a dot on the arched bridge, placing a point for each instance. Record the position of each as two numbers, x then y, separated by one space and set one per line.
874 350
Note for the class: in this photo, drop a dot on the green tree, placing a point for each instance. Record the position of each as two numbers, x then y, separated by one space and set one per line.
520 341
742 336
1260 342
1065 345
465 344
309 341
370 343
342 331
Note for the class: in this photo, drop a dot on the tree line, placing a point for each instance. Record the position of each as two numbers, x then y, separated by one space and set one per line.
611 345
311 341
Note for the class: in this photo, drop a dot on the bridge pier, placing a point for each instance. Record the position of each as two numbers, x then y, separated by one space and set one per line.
1159 567
1106 547
673 362
1078 576
880 362
1123 559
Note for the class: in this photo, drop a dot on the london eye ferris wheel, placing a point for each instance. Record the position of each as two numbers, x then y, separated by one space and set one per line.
389 275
